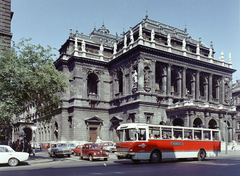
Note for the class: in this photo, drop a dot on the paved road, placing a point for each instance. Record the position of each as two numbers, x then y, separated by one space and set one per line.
220 166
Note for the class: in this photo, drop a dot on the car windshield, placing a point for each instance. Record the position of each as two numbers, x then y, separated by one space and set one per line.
93 146
6 149
61 145
71 145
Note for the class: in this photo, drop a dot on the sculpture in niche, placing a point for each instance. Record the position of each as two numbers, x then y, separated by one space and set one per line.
146 72
226 92
146 77
135 81
135 77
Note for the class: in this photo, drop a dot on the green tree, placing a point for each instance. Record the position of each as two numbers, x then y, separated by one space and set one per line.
28 78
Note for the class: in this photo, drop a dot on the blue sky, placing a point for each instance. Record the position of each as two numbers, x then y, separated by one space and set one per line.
48 22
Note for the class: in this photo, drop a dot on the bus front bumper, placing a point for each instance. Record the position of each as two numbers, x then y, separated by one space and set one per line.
124 155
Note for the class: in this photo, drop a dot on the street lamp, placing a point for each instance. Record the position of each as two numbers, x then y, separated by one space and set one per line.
231 102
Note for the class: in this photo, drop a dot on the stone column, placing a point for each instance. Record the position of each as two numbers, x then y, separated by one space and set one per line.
124 81
186 120
193 85
222 92
210 88
206 91
169 79
164 84
184 82
191 116
197 93
153 73
179 86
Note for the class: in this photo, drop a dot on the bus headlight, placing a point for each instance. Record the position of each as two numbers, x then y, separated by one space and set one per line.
131 149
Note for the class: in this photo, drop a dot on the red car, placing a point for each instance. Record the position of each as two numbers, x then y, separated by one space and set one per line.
93 151
77 150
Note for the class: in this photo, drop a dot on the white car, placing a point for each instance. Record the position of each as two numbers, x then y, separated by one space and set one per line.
59 149
10 157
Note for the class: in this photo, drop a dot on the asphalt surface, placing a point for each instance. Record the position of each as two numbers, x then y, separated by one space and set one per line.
41 156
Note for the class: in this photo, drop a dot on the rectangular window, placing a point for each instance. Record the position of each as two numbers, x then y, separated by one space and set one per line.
154 132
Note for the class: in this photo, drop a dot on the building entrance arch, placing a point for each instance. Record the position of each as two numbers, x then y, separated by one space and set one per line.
28 133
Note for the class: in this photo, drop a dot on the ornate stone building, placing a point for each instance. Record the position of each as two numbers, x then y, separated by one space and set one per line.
236 102
153 73
5 23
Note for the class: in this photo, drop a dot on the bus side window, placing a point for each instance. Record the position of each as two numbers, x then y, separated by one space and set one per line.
206 135
142 135
166 133
154 132
197 135
187 134
215 135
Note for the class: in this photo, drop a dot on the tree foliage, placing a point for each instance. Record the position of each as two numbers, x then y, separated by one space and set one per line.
28 78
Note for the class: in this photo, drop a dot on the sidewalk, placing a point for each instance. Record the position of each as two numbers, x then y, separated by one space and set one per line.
41 156
230 153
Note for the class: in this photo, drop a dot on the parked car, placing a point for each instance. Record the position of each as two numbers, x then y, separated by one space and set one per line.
10 157
93 151
77 150
71 146
46 146
108 146
59 149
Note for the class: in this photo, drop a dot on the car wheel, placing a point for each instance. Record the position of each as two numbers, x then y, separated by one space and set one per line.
90 158
81 157
13 162
105 159
69 155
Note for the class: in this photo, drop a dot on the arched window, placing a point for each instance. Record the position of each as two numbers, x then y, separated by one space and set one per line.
197 122
178 122
92 84
212 124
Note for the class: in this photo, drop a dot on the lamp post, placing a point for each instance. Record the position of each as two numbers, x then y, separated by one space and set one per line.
231 101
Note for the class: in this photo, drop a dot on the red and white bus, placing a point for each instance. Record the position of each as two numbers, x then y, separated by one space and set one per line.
156 142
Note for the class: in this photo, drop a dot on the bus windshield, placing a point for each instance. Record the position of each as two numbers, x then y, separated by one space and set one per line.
132 134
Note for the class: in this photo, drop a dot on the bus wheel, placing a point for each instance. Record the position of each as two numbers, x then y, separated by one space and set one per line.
155 157
201 155
136 161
